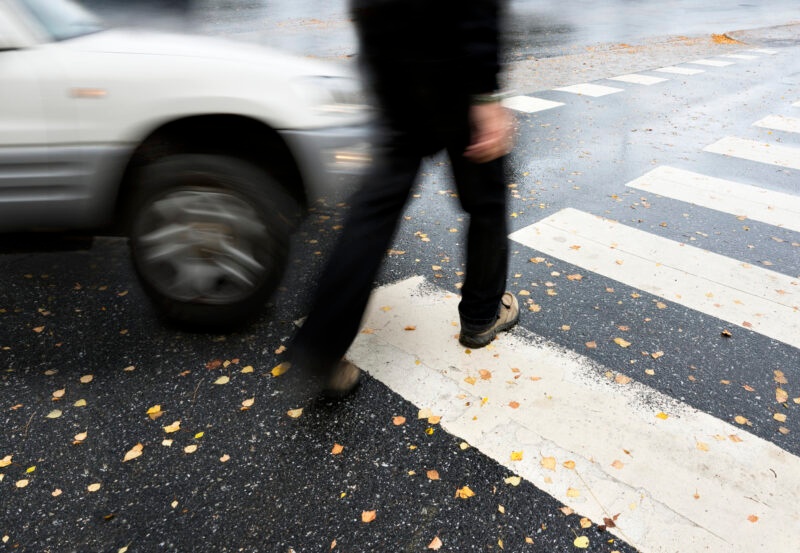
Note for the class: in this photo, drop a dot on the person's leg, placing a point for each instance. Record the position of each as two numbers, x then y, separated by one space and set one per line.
346 283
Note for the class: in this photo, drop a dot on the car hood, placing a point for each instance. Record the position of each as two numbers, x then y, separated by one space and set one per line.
149 43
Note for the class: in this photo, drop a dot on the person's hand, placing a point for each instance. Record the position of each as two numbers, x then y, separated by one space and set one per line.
492 132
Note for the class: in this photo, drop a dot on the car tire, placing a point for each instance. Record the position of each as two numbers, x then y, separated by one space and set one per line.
209 238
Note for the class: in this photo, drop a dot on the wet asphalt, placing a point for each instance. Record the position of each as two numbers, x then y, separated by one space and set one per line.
78 337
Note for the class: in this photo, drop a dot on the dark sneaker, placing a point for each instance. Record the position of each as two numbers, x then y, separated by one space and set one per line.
344 379
507 317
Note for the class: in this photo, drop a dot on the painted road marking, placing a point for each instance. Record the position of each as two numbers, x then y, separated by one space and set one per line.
679 70
529 104
767 51
635 78
680 479
712 63
588 89
752 297
757 204
779 123
796 105
752 150
739 56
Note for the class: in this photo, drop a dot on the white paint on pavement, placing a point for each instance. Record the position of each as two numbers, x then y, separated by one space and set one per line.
686 483
530 104
766 51
679 70
779 123
739 56
712 63
588 89
764 301
757 204
753 150
636 78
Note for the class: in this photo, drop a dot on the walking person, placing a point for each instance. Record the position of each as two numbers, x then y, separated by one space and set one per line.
433 66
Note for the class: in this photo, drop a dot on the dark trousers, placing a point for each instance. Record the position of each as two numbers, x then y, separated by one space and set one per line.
346 282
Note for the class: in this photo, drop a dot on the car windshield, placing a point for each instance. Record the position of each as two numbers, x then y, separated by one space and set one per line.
63 19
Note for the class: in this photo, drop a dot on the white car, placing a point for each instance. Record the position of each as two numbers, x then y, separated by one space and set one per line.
202 151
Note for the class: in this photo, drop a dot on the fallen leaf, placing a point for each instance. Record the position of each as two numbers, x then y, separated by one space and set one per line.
85 379
516 455
513 404
662 415
337 449
154 412
433 474
22 483
222 380
295 413
135 452
281 368
78 438
190 448
368 516
225 458
781 396
93 487
570 465
549 463
622 379
617 464
174 427
5 461
566 510
248 403
435 544
464 493
167 443
424 413
621 342
470 380
58 394
56 492
591 345
398 420
485 375
248 369
780 417
410 327
572 492
585 523
741 420
726 333
54 414
581 542
657 354
752 518
38 329
513 480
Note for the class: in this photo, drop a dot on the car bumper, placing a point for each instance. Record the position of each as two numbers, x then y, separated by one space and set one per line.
331 161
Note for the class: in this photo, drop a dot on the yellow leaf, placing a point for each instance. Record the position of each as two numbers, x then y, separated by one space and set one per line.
657 354
80 437
591 345
80 403
781 396
435 544
464 493
368 516
585 523
398 421
463 446
222 380
780 417
572 492
281 368
54 414
198 435
248 369
93 487
513 480
662 415
424 413
30 469
516 455
337 449
190 448
85 379
5 461
154 412
621 342
295 413
58 394
549 463
702 446
174 427
470 380
622 379
581 542
741 420
135 452
22 483
166 443
248 403
569 465
566 510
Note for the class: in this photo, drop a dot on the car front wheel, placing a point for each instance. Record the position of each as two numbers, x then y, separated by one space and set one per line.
209 237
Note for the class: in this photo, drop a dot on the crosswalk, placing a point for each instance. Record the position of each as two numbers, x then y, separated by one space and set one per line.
677 478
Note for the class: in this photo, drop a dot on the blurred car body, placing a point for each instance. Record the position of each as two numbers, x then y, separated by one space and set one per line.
202 151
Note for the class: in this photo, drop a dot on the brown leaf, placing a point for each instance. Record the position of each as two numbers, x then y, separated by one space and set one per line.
433 474
398 420
337 449
135 452
368 516
435 544
214 364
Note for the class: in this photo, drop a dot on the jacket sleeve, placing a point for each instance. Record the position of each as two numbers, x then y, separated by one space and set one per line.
479 27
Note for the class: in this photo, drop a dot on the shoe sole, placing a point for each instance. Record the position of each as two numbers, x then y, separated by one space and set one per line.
481 342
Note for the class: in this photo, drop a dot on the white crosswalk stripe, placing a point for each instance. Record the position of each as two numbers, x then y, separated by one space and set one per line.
679 70
757 204
712 63
752 297
636 78
530 104
739 56
588 89
533 407
753 150
779 123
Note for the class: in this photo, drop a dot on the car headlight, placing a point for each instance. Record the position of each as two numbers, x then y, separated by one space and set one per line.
335 95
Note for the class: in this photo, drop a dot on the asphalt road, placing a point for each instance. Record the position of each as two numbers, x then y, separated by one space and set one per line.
85 358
